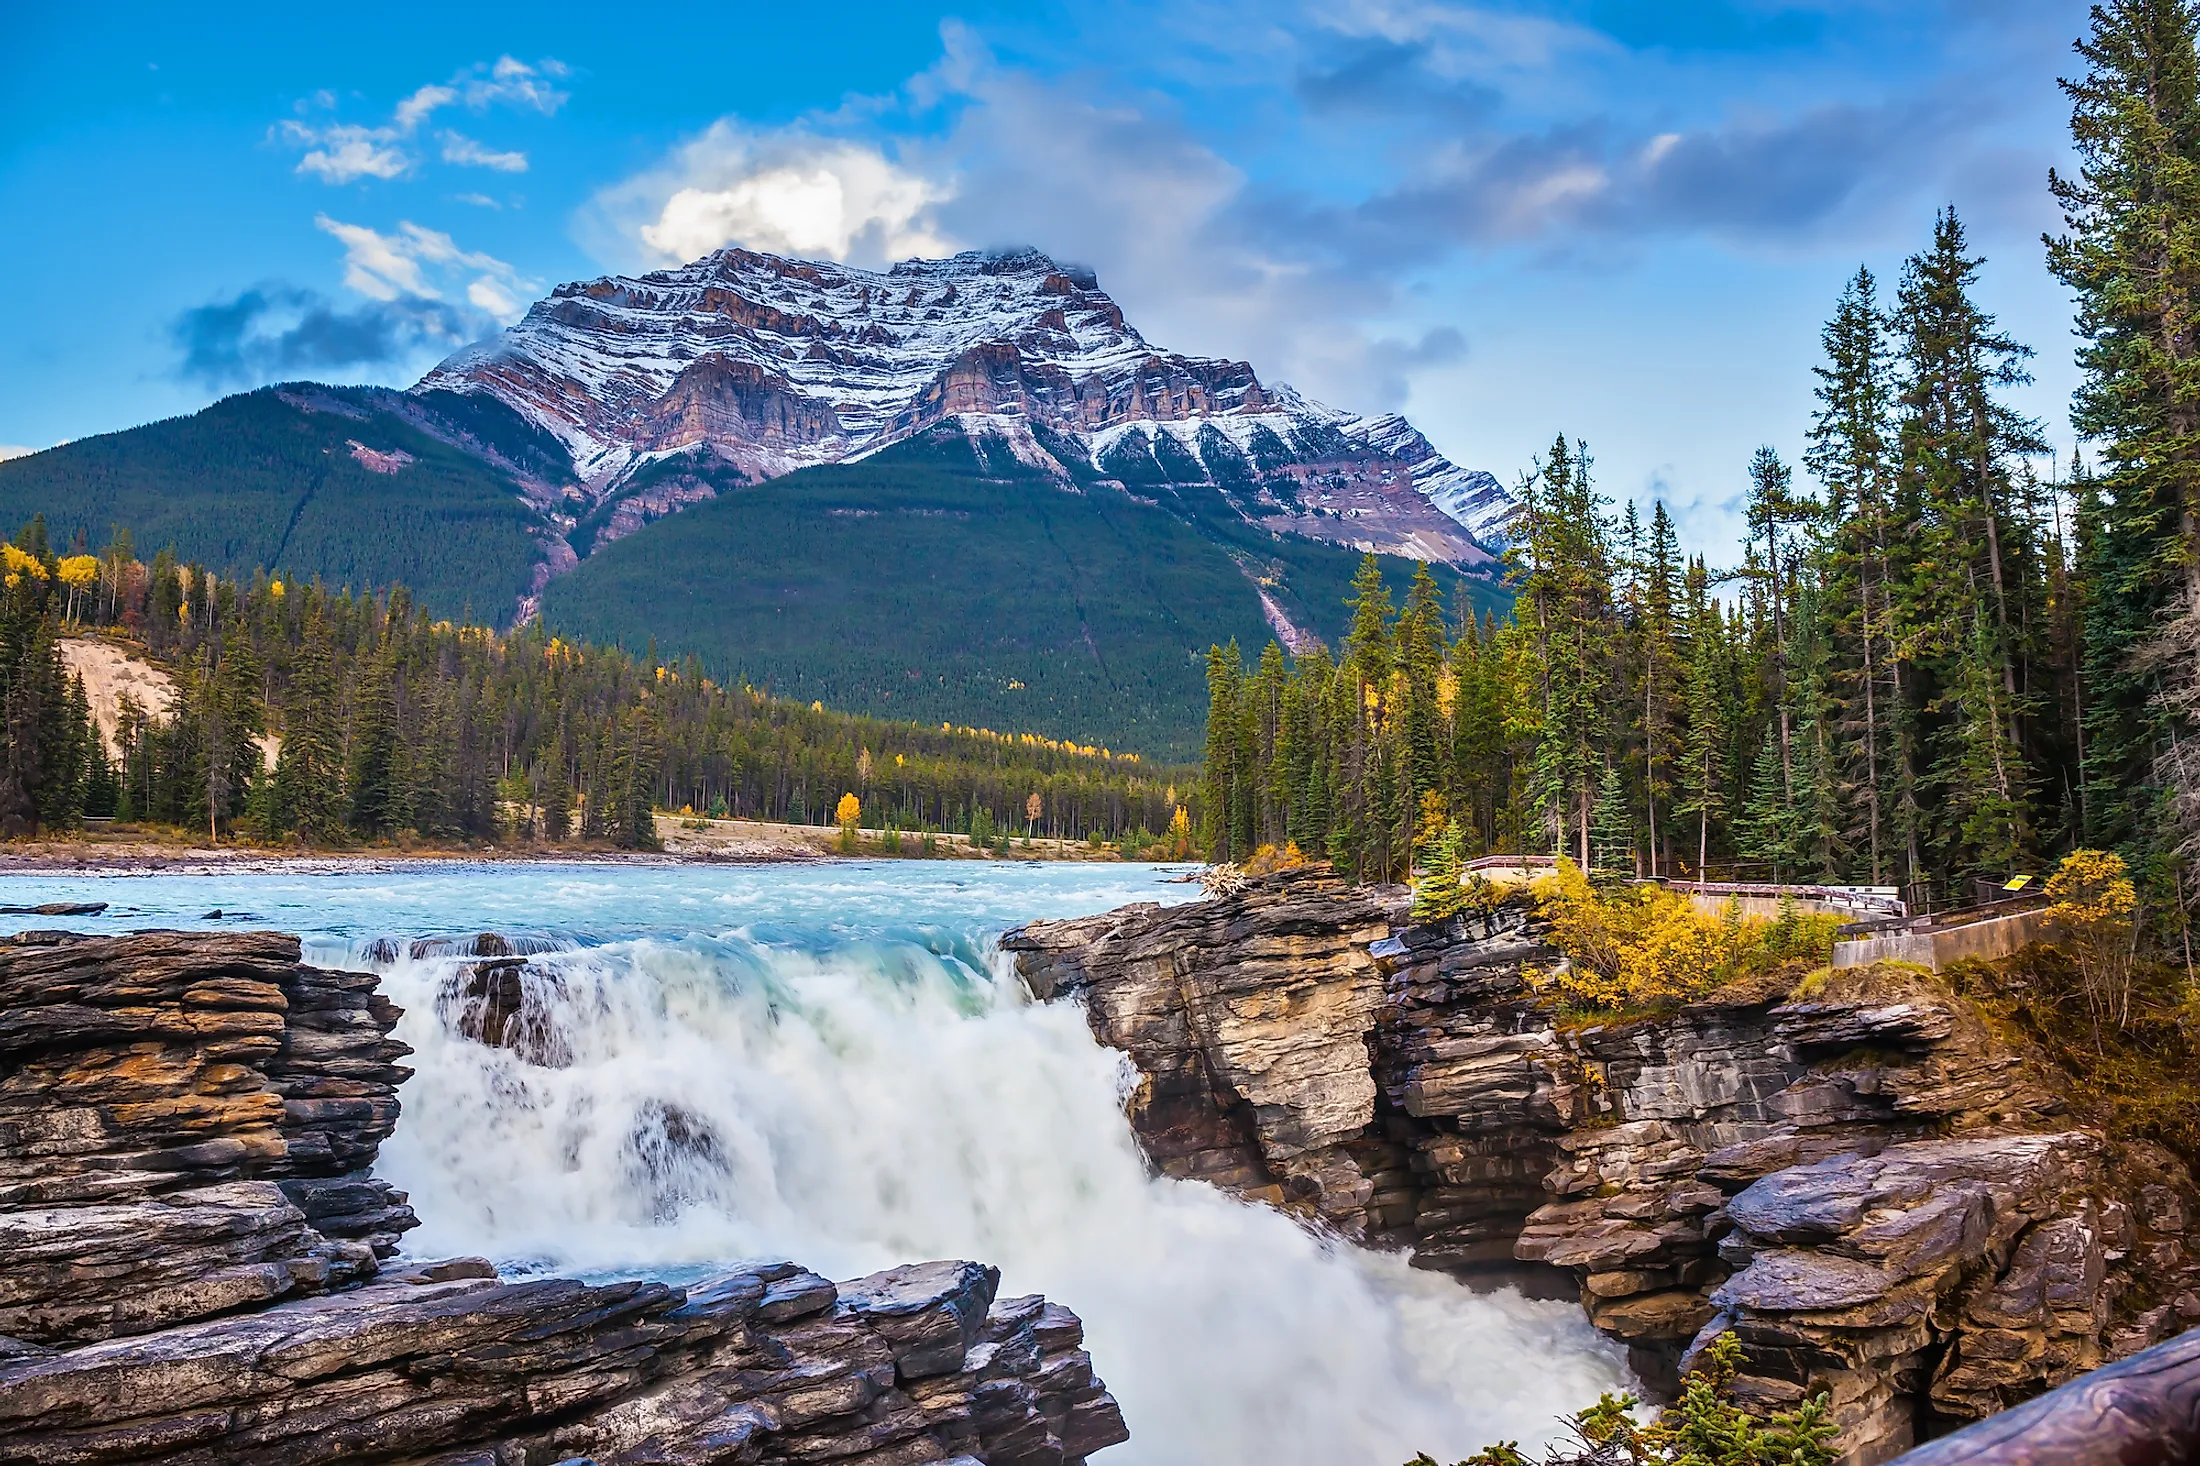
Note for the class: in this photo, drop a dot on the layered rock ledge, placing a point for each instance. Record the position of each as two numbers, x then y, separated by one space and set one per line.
196 1266
1883 1200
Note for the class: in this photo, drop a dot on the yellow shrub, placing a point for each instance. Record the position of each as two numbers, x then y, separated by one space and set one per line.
1643 945
1268 859
2092 905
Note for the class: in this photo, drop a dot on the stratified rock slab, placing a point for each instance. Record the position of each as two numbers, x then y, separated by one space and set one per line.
187 1218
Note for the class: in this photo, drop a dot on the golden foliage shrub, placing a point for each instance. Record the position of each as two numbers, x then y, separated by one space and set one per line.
1268 859
1646 945
2092 902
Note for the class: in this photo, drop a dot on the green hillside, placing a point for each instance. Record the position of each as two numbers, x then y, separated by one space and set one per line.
260 481
921 583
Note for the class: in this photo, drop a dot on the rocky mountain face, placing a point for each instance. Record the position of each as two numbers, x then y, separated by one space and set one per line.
1883 1200
196 1267
744 366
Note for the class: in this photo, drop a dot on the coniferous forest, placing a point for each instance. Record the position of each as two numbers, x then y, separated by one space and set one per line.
1937 654
383 722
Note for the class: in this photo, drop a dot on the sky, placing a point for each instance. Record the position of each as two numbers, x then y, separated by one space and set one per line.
1621 220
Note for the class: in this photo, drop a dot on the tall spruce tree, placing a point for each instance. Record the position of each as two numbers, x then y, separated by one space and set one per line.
2132 257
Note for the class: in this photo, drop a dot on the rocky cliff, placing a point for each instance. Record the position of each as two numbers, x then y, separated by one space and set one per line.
196 1266
1885 1201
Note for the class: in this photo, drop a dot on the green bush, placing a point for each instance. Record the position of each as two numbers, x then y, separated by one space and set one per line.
1702 1428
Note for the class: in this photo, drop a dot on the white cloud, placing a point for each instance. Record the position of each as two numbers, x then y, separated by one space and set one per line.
14 450
340 152
517 83
344 151
463 150
789 192
1119 185
478 200
421 105
489 294
425 264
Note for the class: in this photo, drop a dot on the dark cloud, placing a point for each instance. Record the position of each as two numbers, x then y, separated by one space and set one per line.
1388 81
1388 364
1588 185
274 331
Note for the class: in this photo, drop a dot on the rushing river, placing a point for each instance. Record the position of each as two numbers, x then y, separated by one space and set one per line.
830 1063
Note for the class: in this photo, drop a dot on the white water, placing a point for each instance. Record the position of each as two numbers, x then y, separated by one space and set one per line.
827 1066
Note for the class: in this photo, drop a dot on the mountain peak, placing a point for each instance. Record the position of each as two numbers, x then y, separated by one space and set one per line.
766 364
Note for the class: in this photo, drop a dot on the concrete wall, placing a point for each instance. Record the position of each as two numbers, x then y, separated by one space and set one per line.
1996 937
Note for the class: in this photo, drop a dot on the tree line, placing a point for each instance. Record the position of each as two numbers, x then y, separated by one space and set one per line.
328 717
1944 658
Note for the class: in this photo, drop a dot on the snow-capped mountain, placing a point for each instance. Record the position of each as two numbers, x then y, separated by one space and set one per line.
764 365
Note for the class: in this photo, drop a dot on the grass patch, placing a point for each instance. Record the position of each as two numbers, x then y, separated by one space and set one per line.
2139 1080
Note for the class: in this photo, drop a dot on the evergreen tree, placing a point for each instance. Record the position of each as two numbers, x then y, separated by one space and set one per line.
376 785
1852 456
2132 256
1219 773
1704 778
1958 441
309 771
1611 827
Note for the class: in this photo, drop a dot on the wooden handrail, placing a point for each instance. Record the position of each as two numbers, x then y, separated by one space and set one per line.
2141 1411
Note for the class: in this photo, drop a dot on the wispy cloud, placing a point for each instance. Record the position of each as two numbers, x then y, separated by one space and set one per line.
425 264
14 450
343 152
464 151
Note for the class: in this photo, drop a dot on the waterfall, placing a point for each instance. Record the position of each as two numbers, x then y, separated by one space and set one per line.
853 1101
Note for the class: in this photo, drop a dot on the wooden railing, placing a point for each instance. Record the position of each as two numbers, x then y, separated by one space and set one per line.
2141 1411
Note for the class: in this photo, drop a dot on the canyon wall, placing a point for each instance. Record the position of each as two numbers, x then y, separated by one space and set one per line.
1882 1199
197 1266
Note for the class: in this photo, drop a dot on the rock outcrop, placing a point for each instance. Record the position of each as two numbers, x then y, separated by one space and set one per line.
196 1266
1882 1199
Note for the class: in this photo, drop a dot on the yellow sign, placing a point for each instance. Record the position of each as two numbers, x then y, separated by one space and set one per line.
2017 883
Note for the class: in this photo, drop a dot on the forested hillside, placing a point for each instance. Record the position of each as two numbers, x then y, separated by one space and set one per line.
391 722
1936 657
313 483
925 582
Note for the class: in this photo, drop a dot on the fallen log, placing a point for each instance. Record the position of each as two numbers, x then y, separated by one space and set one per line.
2141 1411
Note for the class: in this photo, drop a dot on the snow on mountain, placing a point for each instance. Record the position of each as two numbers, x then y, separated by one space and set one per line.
772 364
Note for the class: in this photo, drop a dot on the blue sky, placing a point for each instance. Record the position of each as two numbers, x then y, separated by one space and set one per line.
1618 219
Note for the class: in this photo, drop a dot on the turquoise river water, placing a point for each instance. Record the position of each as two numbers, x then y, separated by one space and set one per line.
831 1063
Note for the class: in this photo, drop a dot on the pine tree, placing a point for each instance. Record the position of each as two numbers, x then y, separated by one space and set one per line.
375 784
1958 441
1611 826
1764 829
1773 509
1219 773
1420 643
2132 256
1704 778
1661 669
1851 454
1981 807
309 772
